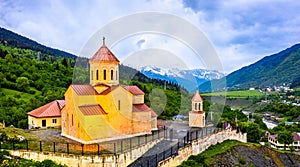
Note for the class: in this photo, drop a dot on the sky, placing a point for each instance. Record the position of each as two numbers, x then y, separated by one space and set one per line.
241 31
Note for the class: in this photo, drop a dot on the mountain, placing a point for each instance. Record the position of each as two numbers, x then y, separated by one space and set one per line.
276 69
8 37
186 78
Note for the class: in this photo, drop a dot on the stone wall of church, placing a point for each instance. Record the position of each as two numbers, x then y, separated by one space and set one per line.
200 145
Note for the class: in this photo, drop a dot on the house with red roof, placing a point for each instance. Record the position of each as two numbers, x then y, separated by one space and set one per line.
105 110
197 114
48 115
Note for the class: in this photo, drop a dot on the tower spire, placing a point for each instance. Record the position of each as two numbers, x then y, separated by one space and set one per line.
103 40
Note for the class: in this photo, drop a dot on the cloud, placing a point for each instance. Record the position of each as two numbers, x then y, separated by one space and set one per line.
241 31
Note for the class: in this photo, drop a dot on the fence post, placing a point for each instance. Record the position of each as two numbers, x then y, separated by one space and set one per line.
53 147
67 148
146 139
178 146
82 145
171 151
115 149
187 136
164 131
98 147
41 146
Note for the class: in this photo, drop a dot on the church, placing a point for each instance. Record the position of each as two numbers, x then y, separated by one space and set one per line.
197 114
105 110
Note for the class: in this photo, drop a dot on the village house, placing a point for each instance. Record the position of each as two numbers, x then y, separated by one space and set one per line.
272 139
46 116
197 115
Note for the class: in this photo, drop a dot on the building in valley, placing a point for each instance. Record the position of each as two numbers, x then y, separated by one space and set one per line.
197 114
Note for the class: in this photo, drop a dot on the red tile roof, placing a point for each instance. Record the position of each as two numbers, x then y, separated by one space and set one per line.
134 90
197 97
104 54
153 114
51 109
140 108
109 89
84 90
92 109
62 103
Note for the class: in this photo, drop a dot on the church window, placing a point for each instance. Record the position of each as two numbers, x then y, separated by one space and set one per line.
195 106
116 75
104 74
112 75
119 105
92 77
97 75
199 106
54 121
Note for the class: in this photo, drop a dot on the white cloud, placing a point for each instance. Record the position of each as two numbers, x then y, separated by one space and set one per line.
241 31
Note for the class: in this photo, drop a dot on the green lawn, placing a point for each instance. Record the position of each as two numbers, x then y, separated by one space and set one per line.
236 94
17 94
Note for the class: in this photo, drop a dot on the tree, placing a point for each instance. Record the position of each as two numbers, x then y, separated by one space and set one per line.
22 83
253 132
285 137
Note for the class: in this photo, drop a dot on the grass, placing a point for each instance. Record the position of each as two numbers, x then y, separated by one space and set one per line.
205 158
12 132
20 95
236 94
219 149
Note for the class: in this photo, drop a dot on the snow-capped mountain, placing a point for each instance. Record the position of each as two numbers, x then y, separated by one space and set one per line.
187 78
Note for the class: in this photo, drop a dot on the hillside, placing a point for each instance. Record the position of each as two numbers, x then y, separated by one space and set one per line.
13 39
233 153
276 69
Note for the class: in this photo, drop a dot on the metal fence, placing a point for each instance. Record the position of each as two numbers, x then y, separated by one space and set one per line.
192 135
111 147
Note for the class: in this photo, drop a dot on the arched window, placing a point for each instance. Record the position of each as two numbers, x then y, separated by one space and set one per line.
97 74
104 74
92 75
111 74
195 106
116 75
199 106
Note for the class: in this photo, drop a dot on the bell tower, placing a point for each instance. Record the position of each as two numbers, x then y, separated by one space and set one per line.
197 102
104 67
